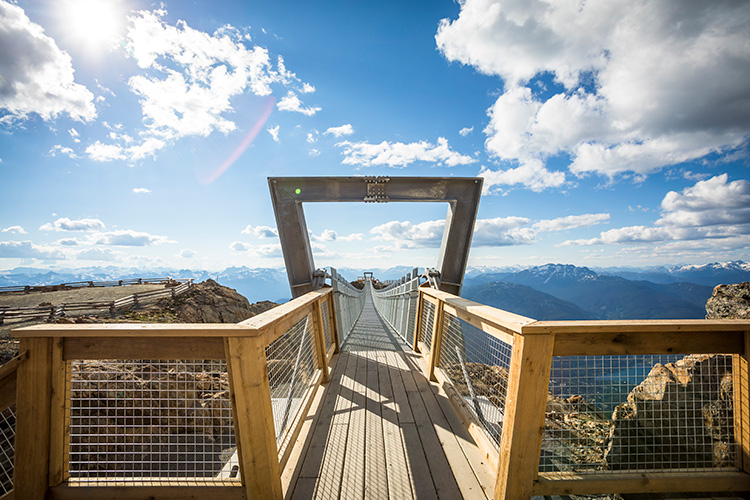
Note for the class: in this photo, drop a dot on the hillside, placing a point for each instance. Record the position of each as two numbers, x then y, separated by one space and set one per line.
525 301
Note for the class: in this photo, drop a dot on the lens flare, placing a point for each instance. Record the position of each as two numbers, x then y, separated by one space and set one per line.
249 138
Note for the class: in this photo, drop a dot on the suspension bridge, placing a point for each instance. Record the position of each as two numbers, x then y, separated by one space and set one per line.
352 390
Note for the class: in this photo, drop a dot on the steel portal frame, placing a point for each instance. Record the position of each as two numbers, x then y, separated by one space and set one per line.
289 193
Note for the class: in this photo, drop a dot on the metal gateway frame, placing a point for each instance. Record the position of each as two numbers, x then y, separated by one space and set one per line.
289 193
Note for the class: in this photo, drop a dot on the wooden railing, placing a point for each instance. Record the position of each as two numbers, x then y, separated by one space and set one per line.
58 310
43 405
521 395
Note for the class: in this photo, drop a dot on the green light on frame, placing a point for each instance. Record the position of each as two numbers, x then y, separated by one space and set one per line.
297 191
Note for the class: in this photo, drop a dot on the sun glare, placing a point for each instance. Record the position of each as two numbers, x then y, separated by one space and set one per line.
96 23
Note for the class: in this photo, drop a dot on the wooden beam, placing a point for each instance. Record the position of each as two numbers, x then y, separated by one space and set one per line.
150 491
253 417
143 347
136 330
667 342
489 327
637 325
649 482
31 469
523 423
418 320
333 324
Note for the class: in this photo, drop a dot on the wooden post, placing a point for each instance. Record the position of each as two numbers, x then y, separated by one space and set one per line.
418 320
253 417
332 321
523 422
59 415
320 340
437 337
31 469
741 391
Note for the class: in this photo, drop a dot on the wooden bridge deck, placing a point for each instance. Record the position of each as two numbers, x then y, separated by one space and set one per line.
383 431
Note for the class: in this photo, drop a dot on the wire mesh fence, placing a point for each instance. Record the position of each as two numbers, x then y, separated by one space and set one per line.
7 448
477 366
327 334
610 414
348 302
397 304
426 324
136 419
292 363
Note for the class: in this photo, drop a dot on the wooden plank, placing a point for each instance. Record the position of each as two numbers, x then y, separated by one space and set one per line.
462 471
741 396
402 408
253 417
136 330
376 478
59 415
291 438
442 475
291 472
8 391
397 469
197 492
421 477
333 324
140 347
638 326
417 321
523 424
304 489
666 342
31 470
487 326
353 477
652 482
503 320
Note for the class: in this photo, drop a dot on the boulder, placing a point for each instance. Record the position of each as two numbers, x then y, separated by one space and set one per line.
729 302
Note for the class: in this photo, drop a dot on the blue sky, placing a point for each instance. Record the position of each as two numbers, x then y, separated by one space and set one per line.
608 133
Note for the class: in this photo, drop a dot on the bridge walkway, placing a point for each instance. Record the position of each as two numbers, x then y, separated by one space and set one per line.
383 431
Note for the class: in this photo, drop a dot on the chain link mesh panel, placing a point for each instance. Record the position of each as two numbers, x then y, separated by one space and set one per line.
477 365
292 363
7 448
397 304
425 327
135 419
609 414
348 302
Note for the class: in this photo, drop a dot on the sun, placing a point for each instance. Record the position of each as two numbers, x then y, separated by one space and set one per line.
95 23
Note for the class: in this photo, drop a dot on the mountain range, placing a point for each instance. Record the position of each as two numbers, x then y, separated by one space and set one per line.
552 291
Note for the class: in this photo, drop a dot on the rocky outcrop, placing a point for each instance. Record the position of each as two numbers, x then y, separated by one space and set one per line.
206 302
680 416
729 302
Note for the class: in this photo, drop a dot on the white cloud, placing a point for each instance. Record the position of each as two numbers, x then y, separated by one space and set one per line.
466 131
274 131
141 190
339 131
186 253
66 224
28 250
98 254
532 174
272 250
261 231
314 152
351 237
291 102
105 152
710 209
58 148
634 92
110 152
128 237
148 147
14 230
38 75
400 155
74 134
408 235
502 231
311 138
326 235
68 242
307 88
570 222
